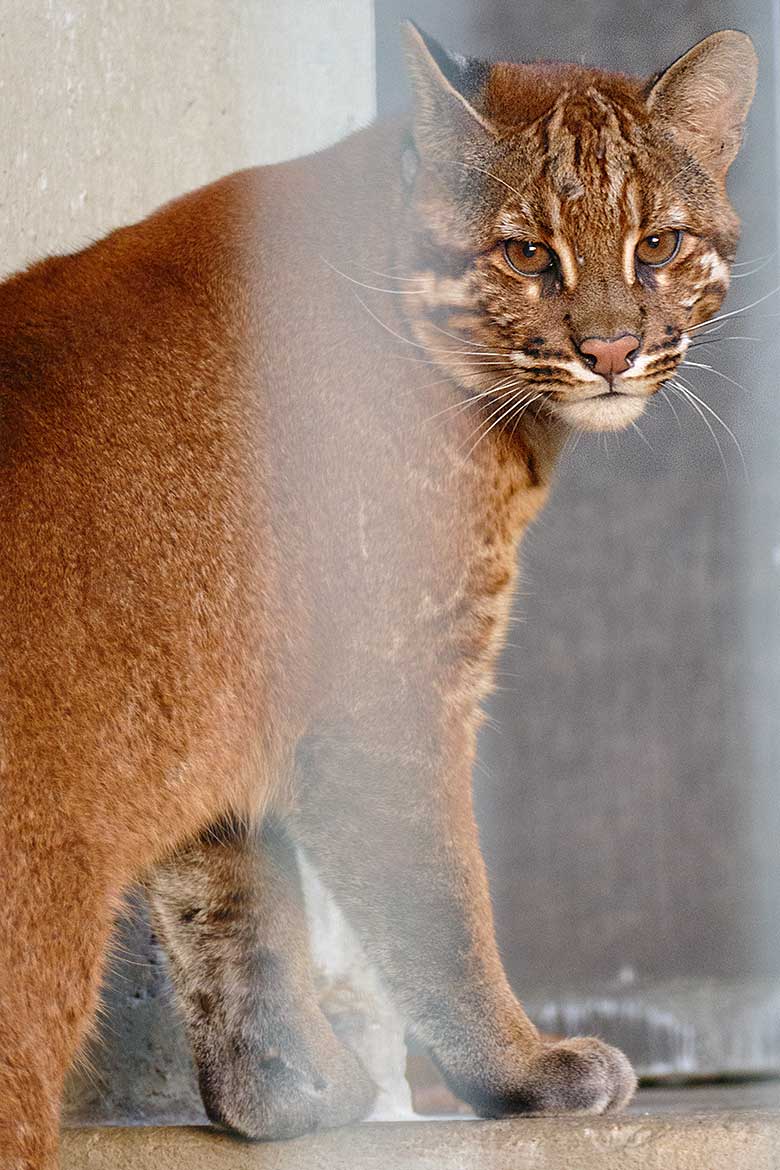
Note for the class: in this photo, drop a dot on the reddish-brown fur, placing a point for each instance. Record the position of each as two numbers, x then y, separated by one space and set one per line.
255 574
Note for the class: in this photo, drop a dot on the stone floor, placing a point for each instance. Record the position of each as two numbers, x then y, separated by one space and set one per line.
705 1128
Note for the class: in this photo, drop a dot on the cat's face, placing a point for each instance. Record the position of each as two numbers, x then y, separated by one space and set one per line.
570 227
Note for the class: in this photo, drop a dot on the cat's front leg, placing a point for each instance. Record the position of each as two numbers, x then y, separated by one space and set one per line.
390 828
230 912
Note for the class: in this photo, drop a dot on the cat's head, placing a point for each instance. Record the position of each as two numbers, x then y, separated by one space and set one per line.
569 226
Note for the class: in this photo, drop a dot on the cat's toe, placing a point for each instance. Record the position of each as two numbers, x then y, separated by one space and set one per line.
270 1097
582 1075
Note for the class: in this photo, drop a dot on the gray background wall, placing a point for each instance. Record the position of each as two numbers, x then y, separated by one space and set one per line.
629 803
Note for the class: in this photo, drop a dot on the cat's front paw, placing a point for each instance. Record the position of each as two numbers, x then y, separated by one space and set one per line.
284 1093
581 1075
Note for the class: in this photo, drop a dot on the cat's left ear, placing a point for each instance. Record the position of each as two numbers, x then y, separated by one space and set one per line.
705 96
445 85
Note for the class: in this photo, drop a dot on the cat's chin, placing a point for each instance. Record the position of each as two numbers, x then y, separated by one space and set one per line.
607 412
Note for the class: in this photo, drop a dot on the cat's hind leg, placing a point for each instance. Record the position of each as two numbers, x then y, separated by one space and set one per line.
56 916
230 912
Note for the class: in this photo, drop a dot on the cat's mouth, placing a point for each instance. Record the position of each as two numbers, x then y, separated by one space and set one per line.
611 409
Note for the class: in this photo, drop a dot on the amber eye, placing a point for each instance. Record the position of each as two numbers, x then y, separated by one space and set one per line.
659 248
528 257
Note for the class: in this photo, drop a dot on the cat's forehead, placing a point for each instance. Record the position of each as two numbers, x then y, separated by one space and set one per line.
593 162
519 95
588 153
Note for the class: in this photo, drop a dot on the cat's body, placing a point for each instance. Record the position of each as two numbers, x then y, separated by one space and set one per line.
256 570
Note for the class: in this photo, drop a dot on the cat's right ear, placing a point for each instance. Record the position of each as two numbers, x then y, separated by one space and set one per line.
444 87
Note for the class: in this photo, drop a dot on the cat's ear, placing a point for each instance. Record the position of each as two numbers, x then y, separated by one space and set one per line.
705 96
444 85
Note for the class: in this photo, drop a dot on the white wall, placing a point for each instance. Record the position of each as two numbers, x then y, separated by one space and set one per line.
110 107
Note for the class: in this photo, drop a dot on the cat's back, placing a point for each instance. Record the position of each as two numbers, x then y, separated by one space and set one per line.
140 345
135 573
127 436
175 267
176 315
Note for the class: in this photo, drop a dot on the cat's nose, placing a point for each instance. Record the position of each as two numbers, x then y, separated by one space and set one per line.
609 356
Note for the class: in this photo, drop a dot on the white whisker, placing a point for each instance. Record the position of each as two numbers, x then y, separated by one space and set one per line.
389 275
514 405
719 340
735 312
508 393
387 328
522 409
750 271
493 393
482 171
463 365
416 344
681 391
501 411
706 333
454 336
642 437
712 370
462 403
671 406
762 260
393 292
694 399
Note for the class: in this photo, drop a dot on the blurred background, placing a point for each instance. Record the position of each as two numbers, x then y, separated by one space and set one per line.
628 802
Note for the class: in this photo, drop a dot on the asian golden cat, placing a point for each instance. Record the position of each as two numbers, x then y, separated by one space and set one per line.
259 526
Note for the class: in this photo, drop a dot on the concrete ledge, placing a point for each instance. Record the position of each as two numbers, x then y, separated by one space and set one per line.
735 1140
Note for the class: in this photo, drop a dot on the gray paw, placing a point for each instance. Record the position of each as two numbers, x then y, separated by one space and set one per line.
582 1075
276 1094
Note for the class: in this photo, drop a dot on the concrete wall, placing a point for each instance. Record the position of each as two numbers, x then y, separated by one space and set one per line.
111 107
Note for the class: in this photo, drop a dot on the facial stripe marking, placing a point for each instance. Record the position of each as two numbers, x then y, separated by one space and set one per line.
629 266
569 268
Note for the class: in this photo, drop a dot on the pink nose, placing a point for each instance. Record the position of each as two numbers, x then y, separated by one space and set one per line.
609 357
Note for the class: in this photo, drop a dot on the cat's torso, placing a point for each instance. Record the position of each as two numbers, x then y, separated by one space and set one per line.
237 481
264 461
